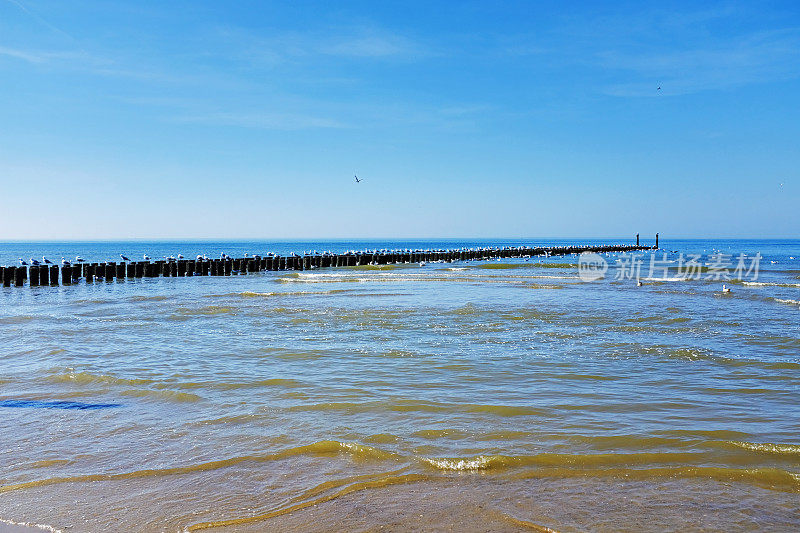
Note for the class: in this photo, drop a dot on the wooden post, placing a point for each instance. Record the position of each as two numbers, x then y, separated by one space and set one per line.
66 275
44 275
656 241
54 275
637 239
34 282
19 276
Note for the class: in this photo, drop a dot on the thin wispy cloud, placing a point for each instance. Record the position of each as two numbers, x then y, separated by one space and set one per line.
756 58
41 56
263 121
38 18
342 42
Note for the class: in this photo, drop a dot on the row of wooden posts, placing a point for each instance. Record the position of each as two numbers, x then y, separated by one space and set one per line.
44 275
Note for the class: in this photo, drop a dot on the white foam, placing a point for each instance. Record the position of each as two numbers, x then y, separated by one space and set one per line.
460 464
790 302
10 526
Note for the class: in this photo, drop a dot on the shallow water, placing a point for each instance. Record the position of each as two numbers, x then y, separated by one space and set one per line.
462 396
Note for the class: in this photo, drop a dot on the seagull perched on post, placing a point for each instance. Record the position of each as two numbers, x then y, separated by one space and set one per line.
124 258
65 263
46 261
34 262
146 257
23 263
79 259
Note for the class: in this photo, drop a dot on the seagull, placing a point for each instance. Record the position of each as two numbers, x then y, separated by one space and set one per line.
23 263
79 259
357 178
180 256
65 263
124 258
659 88
34 262
725 290
46 261
639 283
146 257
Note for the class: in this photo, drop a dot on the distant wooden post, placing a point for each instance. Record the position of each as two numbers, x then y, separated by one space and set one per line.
34 276
656 241
66 275
19 276
54 275
637 239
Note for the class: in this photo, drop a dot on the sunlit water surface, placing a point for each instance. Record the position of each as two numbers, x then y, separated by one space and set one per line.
461 396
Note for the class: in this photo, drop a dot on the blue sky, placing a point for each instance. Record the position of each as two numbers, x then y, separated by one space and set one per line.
191 119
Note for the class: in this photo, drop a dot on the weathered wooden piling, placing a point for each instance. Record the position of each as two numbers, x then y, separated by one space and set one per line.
44 275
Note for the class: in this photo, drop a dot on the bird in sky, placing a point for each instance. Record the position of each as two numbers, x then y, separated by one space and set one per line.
358 180
659 88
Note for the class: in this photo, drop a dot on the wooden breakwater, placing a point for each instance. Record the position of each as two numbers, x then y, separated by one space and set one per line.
70 274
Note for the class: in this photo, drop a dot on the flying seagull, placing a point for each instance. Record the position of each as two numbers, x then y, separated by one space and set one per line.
659 88
358 180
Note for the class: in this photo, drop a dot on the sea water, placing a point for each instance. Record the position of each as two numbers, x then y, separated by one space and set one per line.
466 396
